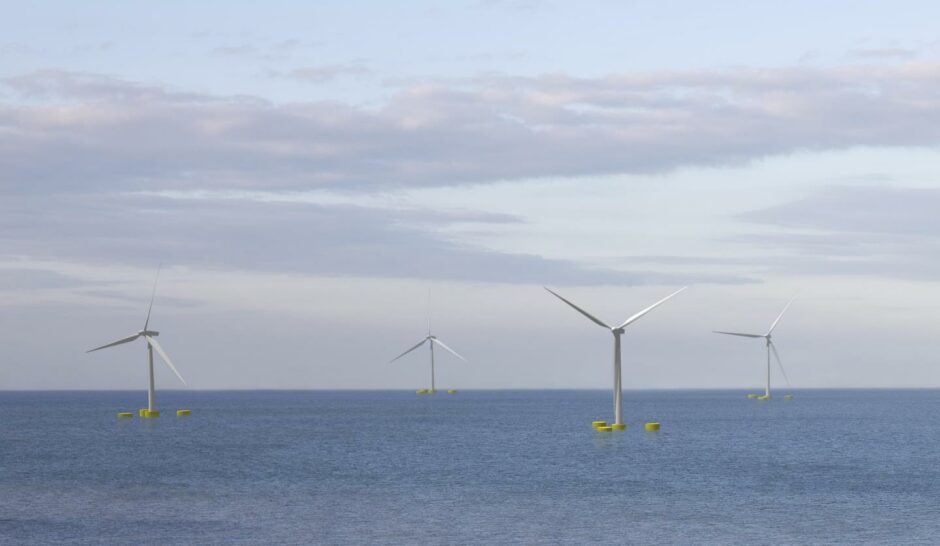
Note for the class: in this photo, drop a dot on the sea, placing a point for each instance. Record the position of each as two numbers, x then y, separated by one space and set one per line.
476 467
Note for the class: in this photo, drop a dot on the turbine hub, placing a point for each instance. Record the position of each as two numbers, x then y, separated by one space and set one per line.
616 331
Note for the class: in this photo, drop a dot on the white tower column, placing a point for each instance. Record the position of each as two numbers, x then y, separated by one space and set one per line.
618 400
767 389
150 391
431 345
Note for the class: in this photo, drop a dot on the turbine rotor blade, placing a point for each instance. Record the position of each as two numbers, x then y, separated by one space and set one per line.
152 296
448 349
422 342
737 334
637 316
779 363
780 316
592 318
127 339
165 358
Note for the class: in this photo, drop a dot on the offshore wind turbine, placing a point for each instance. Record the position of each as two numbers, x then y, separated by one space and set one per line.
152 344
617 331
431 340
771 348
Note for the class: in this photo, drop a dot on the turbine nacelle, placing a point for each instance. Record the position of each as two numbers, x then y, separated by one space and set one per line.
150 333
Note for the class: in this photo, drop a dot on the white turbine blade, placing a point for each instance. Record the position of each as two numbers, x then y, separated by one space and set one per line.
578 309
152 296
737 334
636 317
423 341
779 363
448 349
127 339
780 316
165 358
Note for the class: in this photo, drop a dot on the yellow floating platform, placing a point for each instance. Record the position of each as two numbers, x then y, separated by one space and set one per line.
752 396
149 414
621 426
764 397
652 426
422 391
125 414
182 412
603 429
788 397
596 424
451 391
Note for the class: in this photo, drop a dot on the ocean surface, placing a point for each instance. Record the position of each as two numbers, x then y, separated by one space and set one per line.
478 467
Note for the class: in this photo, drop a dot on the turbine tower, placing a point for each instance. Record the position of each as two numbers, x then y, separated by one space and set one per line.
617 332
771 348
152 344
431 340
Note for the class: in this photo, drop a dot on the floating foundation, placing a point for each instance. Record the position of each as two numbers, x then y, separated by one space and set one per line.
422 391
763 397
752 395
125 414
652 427
596 424
182 412
788 397
619 426
149 414
451 391
603 429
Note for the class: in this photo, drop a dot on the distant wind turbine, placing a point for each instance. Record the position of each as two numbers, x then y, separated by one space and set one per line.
770 348
152 344
617 331
431 340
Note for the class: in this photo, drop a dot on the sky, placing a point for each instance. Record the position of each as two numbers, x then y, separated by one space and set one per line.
319 179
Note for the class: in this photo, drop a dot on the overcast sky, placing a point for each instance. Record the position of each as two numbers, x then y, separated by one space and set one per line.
308 172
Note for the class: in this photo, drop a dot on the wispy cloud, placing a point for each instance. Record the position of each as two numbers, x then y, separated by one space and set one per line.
883 53
325 73
873 231
109 132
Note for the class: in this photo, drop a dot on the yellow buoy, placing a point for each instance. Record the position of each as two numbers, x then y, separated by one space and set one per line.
125 414
603 429
621 426
451 391
652 426
181 412
596 424
432 391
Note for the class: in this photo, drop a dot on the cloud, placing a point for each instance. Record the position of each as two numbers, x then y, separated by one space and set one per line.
105 132
877 231
142 230
883 53
325 73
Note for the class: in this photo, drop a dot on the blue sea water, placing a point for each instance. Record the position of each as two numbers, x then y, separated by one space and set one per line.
479 467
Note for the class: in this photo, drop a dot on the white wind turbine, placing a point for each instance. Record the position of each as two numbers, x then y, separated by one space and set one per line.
152 344
431 340
770 348
617 332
